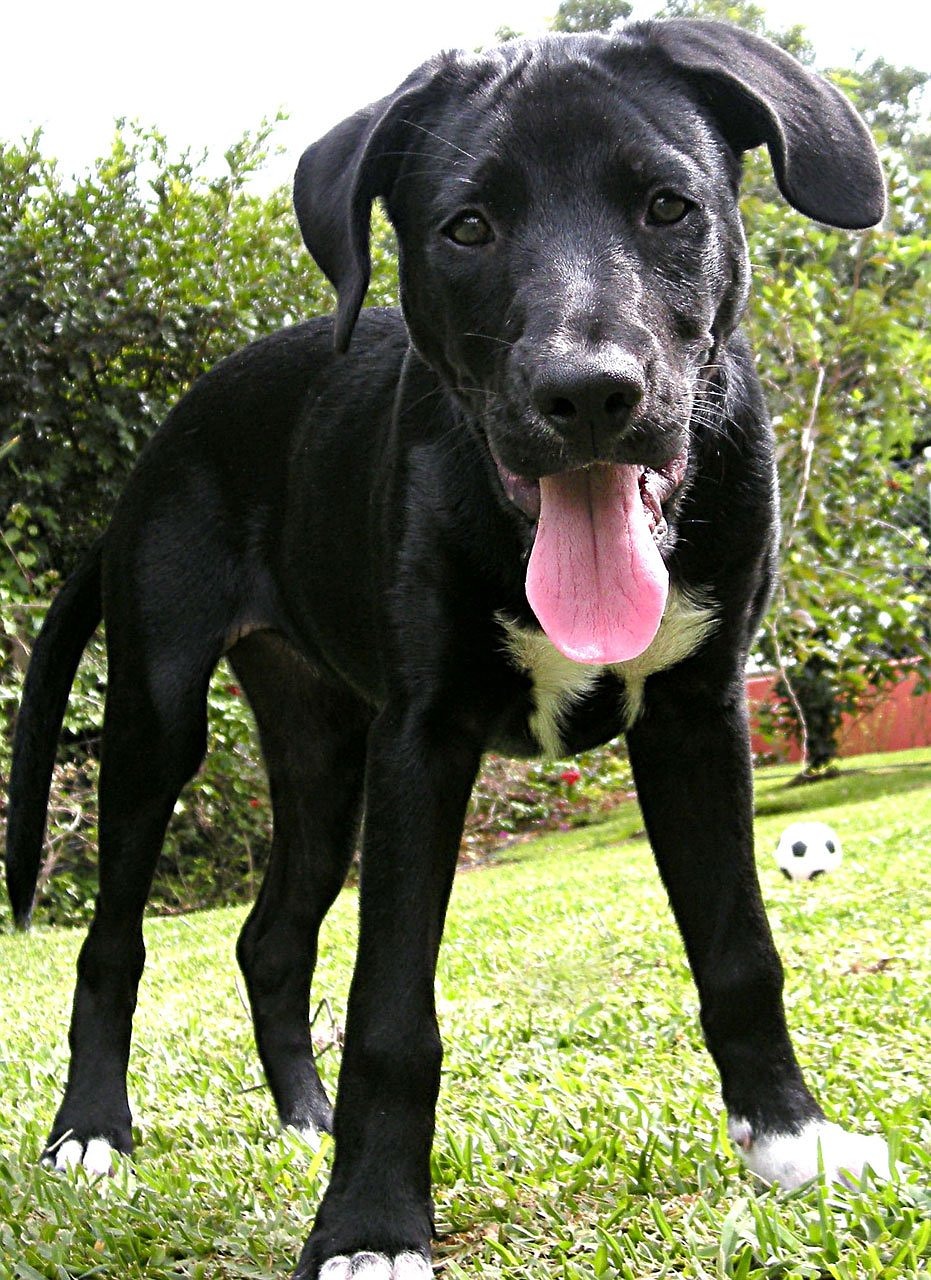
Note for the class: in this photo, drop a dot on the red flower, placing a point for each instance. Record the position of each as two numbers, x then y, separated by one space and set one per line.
235 690
254 803
571 776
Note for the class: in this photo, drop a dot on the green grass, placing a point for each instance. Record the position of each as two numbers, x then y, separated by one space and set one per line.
579 1130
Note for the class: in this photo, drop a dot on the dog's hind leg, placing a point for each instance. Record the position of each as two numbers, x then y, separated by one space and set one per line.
313 735
154 740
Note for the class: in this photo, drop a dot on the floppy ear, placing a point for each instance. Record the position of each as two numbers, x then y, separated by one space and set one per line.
822 153
336 181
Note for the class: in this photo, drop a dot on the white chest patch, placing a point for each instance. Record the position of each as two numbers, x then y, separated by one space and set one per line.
559 683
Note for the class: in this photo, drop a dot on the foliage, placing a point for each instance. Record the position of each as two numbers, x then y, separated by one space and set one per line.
837 322
519 799
743 13
812 694
892 101
579 1133
590 15
844 364
116 291
124 290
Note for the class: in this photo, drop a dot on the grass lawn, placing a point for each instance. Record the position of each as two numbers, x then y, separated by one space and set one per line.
579 1130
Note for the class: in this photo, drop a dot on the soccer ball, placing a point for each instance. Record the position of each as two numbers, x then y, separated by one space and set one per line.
808 849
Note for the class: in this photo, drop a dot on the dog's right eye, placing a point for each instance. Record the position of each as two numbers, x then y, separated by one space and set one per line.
469 229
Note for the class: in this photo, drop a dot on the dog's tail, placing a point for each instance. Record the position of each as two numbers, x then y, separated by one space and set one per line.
69 624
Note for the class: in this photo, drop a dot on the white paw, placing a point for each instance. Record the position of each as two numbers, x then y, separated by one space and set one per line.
309 1134
377 1266
792 1159
96 1156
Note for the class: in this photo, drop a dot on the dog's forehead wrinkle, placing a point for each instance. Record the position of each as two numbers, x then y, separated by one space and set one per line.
647 113
586 183
549 130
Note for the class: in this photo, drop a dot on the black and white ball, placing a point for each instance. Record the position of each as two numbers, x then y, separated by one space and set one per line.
808 849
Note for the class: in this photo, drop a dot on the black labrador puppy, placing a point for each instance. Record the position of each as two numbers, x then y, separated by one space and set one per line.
532 510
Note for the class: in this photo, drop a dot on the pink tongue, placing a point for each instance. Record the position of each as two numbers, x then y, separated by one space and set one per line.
596 579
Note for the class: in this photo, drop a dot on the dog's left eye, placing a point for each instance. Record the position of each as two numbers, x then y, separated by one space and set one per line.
469 229
667 208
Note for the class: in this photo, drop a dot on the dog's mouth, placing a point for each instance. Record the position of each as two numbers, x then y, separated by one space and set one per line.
656 484
596 579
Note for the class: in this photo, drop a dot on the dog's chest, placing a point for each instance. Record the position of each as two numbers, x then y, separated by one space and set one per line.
560 685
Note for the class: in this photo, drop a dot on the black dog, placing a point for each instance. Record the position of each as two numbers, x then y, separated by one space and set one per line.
535 512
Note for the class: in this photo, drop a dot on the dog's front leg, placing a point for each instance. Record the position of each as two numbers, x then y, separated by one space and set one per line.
691 758
376 1217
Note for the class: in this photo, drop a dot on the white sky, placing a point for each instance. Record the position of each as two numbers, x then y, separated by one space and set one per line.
204 72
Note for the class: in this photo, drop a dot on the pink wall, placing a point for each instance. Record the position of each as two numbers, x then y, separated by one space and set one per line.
895 722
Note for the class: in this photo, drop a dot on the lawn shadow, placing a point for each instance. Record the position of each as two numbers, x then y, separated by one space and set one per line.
777 797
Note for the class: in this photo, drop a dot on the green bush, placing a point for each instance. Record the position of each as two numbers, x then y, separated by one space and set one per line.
116 291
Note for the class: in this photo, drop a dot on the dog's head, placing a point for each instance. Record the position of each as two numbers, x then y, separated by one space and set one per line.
571 258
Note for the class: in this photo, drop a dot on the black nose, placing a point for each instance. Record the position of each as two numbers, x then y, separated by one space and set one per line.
588 403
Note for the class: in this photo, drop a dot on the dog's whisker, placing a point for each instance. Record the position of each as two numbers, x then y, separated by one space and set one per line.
446 141
442 158
488 392
489 337
409 407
